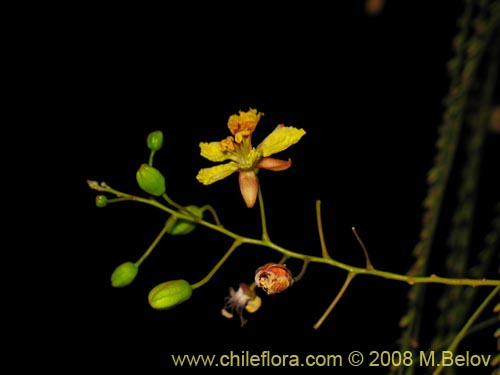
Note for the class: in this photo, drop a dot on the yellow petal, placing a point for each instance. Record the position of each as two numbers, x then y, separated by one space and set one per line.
210 175
280 139
213 151
254 304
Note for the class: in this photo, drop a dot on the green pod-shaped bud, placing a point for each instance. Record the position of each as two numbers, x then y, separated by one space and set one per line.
155 140
169 294
177 226
124 274
150 180
101 201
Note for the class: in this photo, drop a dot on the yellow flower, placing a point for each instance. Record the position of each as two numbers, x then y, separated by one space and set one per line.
242 157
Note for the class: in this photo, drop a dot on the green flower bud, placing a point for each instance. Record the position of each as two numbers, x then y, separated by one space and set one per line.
150 180
179 226
124 274
155 140
101 201
169 294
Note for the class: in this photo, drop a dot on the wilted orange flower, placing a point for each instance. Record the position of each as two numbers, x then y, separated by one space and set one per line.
273 278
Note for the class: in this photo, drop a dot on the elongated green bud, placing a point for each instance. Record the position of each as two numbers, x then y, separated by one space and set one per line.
169 294
155 140
150 180
124 274
180 226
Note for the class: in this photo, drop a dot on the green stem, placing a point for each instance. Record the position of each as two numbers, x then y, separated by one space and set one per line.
458 338
217 266
265 235
313 259
213 212
173 204
116 200
369 265
347 281
152 246
374 272
302 271
324 251
151 158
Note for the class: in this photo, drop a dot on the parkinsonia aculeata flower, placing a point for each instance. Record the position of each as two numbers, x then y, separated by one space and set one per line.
243 157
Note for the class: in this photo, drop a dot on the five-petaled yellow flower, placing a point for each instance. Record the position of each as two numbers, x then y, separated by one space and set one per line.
243 157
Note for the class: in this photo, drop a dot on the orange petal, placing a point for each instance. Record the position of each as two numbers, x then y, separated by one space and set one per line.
273 164
248 187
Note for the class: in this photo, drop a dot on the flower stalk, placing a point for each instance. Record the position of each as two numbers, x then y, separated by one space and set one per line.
411 280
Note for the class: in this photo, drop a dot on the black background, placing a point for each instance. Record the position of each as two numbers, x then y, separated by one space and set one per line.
367 90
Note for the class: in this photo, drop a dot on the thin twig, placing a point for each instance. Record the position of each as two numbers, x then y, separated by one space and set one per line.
348 280
324 251
302 271
369 265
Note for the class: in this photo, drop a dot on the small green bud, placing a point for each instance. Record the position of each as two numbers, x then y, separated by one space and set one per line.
150 180
101 201
124 274
179 226
155 140
169 294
